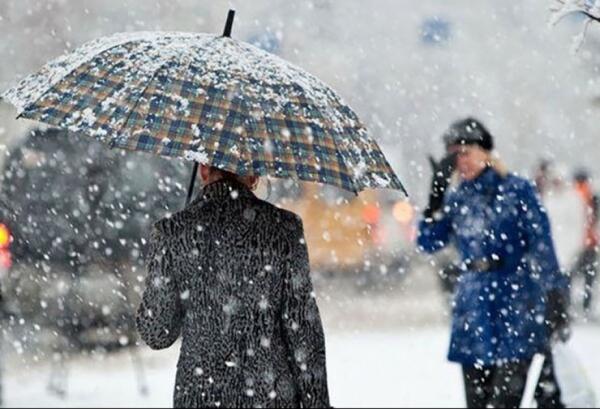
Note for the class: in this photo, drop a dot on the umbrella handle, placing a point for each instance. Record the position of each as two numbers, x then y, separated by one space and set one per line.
229 23
191 185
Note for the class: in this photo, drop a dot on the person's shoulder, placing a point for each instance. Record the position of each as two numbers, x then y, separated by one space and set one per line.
173 223
165 226
196 212
515 183
517 180
284 218
291 220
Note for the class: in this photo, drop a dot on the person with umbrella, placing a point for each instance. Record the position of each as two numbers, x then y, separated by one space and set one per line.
511 298
230 272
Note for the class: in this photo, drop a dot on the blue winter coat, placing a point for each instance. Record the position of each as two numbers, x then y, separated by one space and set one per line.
497 314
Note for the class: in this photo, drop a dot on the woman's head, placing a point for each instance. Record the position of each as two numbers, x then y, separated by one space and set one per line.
472 143
210 174
471 160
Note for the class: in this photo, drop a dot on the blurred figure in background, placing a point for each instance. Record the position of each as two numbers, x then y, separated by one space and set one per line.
543 176
511 296
554 184
587 261
572 209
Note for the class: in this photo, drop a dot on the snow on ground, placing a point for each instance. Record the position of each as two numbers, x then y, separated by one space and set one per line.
384 349
385 368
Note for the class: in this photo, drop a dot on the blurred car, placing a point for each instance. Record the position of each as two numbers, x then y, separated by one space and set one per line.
370 235
76 216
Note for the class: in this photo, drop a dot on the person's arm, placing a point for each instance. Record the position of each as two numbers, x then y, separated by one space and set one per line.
435 227
302 325
434 234
160 313
546 267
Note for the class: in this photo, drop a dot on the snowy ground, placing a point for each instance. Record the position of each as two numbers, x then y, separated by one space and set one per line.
383 351
402 368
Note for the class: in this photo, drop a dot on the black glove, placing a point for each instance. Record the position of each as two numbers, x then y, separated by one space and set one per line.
442 172
557 315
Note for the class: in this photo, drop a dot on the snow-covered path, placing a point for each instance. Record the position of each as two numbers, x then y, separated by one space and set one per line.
399 368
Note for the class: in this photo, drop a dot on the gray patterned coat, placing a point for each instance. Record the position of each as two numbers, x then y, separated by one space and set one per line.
230 273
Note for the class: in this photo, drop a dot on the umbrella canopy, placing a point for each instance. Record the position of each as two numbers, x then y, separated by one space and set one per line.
210 99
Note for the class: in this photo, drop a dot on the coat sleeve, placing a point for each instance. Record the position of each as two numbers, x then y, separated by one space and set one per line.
160 315
303 330
538 235
434 234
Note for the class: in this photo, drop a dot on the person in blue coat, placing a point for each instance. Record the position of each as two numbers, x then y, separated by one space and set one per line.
511 298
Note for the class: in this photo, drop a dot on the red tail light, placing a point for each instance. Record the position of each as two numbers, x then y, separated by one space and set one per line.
371 214
5 237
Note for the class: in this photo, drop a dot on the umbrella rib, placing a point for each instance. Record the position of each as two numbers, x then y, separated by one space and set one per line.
132 110
355 187
49 88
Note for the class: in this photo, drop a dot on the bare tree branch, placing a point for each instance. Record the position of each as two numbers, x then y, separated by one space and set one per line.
567 7
563 8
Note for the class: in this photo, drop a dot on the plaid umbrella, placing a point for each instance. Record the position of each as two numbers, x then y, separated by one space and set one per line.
209 99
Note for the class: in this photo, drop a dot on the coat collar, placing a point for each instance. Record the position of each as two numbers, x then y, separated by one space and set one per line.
486 178
224 189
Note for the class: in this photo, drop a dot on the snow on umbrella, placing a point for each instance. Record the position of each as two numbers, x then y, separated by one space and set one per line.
209 99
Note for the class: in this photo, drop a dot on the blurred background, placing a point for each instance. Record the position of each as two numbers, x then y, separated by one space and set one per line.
78 215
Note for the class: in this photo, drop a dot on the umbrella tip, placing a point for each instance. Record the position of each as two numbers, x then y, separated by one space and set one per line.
229 23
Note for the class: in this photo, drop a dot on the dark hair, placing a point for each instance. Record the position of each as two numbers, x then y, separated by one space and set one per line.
225 174
468 131
581 175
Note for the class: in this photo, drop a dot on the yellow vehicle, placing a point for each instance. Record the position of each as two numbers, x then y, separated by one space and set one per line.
345 232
